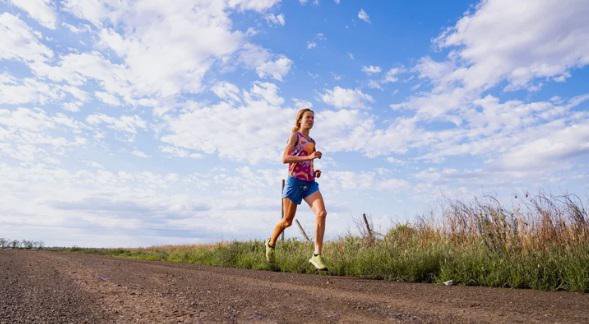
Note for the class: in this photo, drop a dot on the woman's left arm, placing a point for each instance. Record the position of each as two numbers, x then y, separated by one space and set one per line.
316 173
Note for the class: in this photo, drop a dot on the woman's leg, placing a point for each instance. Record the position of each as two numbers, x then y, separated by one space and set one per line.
290 209
315 201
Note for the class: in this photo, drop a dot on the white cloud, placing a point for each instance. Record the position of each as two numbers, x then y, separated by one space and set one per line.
253 55
304 2
371 69
501 40
26 90
40 10
266 91
275 19
77 69
265 64
34 120
107 98
363 180
31 135
346 98
140 154
227 91
94 202
440 105
392 75
319 37
167 48
175 151
427 68
363 16
397 137
72 106
494 128
509 136
551 150
93 11
253 132
344 130
301 103
257 5
127 124
275 69
78 94
170 52
20 42
396 161
76 29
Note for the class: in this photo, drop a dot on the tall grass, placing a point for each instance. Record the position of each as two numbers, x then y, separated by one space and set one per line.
541 243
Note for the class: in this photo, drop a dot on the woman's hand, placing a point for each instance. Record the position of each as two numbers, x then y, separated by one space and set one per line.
317 173
314 155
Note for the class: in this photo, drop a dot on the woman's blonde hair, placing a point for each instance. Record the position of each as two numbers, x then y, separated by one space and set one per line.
300 114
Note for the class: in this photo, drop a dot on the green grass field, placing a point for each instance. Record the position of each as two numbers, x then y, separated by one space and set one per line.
541 244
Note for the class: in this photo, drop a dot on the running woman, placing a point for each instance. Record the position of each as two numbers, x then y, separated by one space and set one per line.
299 154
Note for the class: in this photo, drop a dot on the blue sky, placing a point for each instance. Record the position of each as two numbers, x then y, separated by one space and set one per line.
136 123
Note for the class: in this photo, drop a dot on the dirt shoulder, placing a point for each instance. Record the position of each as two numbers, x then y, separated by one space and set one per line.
44 286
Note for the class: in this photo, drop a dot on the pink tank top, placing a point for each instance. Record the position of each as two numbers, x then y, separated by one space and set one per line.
302 170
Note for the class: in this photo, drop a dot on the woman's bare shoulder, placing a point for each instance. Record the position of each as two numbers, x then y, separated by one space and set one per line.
292 139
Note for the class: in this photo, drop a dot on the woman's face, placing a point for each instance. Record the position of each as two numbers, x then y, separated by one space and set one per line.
307 120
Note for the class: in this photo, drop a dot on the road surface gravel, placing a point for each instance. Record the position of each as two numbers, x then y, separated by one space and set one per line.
45 286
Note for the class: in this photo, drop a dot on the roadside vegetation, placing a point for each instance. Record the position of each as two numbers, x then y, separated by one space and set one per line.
541 242
20 244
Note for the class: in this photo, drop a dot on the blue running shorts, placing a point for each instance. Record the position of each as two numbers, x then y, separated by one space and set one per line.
296 189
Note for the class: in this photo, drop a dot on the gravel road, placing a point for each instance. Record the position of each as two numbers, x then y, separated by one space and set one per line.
43 286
